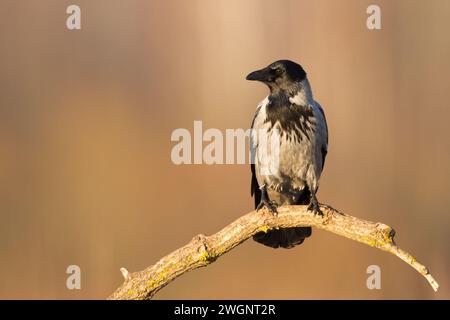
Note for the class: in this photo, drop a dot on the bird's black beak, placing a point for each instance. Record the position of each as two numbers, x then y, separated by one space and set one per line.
259 75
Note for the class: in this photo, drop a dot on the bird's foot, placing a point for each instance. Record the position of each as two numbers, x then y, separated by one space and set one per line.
270 205
315 208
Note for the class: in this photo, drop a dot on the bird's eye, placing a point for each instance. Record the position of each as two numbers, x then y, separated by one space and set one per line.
278 71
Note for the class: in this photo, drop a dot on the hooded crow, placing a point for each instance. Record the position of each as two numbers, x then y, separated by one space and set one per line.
289 125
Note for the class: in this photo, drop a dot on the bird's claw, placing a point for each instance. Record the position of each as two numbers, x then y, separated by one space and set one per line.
315 208
270 205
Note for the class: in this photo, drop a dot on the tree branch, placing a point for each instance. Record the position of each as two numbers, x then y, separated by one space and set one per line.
202 250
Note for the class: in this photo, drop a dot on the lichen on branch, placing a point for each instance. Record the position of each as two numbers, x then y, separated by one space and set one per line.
203 250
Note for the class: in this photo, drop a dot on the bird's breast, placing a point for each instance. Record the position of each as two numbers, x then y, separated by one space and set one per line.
285 149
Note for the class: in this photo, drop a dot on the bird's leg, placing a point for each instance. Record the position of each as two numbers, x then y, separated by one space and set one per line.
265 202
314 205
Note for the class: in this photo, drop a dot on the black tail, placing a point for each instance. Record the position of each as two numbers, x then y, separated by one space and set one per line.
288 237
283 238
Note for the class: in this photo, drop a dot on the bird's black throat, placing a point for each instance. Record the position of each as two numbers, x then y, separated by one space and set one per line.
292 118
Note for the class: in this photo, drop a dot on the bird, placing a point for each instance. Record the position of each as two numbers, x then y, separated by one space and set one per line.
289 144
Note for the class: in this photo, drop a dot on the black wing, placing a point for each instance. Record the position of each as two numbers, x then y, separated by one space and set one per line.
325 147
255 191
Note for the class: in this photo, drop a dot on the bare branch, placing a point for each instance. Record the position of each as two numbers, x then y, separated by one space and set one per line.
125 273
203 250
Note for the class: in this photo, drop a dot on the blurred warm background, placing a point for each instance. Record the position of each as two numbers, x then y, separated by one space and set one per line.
86 118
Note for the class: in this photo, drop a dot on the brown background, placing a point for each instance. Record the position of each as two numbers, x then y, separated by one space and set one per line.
86 117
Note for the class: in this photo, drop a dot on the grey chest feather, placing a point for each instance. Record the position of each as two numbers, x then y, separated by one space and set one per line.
288 147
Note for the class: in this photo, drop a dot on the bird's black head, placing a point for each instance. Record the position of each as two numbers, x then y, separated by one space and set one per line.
280 75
